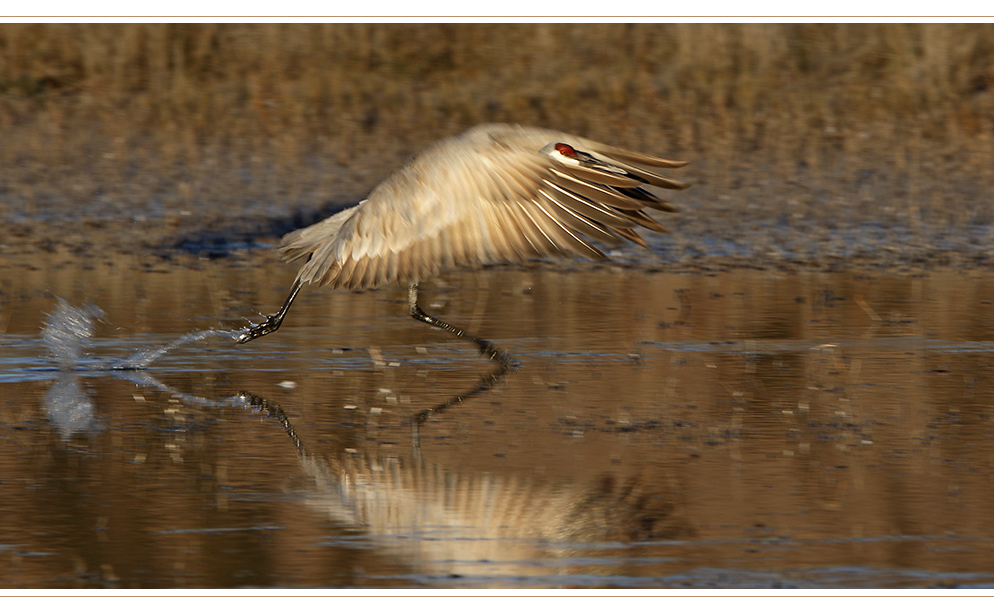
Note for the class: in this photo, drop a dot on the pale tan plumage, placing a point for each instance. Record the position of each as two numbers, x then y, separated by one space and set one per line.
488 195
493 194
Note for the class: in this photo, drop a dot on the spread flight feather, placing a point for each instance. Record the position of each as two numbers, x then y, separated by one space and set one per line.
495 193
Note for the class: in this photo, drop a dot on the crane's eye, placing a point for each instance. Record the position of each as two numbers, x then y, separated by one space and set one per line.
566 150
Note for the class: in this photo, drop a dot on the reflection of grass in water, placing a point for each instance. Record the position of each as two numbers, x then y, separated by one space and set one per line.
161 121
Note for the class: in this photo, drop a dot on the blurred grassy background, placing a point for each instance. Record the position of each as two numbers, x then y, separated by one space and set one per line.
171 127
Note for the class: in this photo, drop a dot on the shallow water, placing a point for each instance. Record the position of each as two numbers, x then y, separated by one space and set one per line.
742 429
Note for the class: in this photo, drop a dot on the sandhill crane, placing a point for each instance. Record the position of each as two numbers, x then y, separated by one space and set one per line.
495 193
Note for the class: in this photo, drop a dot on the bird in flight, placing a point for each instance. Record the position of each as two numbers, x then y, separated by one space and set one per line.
496 193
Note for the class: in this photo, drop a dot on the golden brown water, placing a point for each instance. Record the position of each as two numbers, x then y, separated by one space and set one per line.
742 429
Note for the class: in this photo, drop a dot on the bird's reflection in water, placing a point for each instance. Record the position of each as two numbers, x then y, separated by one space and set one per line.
438 518
447 519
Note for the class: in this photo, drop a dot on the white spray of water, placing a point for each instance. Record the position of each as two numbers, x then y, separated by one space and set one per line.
68 330
67 335
141 359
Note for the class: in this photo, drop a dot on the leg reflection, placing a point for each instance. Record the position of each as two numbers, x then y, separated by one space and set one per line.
485 383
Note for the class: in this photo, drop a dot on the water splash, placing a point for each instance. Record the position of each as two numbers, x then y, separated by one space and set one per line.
67 333
142 359
68 407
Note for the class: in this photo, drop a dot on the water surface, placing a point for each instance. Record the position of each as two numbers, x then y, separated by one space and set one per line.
739 429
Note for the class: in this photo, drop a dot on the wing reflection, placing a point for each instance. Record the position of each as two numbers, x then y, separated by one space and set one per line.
446 519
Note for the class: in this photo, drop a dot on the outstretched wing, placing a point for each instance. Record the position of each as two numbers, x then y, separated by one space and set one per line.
496 193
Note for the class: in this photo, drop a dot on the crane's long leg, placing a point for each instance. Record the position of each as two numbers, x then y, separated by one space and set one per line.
486 347
272 323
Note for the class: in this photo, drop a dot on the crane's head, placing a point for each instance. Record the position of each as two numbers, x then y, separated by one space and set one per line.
567 154
565 150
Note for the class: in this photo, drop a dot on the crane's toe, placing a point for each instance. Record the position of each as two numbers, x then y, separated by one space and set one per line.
270 325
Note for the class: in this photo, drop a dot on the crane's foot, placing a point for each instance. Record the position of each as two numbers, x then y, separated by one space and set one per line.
270 325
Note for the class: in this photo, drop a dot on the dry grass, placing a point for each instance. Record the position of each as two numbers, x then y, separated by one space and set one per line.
155 121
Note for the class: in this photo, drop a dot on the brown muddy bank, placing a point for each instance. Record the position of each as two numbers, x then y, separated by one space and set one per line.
814 221
818 146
